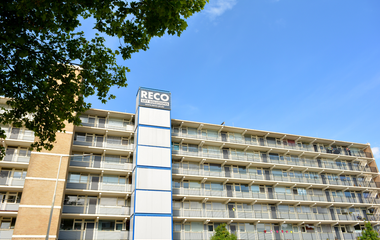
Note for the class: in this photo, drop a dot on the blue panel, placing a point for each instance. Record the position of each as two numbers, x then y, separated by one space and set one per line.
152 126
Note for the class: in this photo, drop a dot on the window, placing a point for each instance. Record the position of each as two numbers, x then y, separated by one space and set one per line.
114 179
255 188
116 159
175 146
214 186
77 178
67 224
106 225
19 174
74 200
8 223
117 140
176 184
177 227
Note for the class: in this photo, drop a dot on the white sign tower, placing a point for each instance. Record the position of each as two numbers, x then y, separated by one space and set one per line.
151 208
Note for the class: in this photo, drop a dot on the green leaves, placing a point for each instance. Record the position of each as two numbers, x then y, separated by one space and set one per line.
221 233
41 54
369 233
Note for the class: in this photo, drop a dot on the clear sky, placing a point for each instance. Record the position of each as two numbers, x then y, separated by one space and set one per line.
301 67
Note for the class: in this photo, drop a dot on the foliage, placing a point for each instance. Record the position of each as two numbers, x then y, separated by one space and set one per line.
221 233
369 233
41 52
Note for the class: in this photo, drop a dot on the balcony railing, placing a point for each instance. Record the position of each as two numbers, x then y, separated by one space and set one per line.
18 133
98 162
267 195
272 177
255 214
16 158
104 145
265 159
99 186
94 233
10 181
5 206
263 142
120 127
267 235
96 209
6 234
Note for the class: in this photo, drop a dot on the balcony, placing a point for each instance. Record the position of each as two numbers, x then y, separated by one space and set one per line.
267 196
105 145
248 174
258 214
17 155
97 210
101 162
14 133
112 206
95 234
6 234
264 158
11 181
267 235
99 186
117 124
271 143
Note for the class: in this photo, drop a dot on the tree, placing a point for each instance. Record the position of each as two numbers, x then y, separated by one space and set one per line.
48 68
221 233
369 233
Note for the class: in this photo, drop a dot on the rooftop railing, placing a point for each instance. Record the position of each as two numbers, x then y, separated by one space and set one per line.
277 144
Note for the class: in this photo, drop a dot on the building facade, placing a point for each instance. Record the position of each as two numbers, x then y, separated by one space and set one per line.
144 175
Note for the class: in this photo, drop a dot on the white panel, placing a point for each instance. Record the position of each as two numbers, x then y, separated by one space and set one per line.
132 202
154 117
154 156
154 136
153 202
153 227
156 179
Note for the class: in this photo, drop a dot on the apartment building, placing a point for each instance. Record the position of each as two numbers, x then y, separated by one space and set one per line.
144 175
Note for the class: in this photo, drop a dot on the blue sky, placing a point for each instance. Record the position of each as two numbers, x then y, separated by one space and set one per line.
301 67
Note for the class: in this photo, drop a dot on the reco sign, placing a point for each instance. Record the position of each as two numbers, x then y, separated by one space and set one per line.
155 99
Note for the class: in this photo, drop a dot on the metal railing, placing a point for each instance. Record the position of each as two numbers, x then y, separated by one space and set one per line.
94 233
10 181
16 158
18 134
265 159
126 127
264 142
276 196
262 235
98 162
100 186
271 177
104 145
96 209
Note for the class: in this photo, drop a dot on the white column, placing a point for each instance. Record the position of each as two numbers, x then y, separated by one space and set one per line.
151 208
